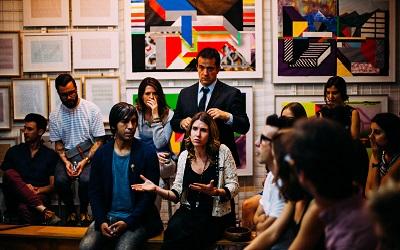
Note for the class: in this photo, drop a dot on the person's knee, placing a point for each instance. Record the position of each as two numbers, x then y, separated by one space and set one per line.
91 239
87 243
10 174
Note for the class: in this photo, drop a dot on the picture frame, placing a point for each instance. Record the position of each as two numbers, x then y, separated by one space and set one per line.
44 53
10 59
5 144
94 12
244 143
29 96
54 99
95 50
165 45
102 91
46 13
5 110
366 105
342 41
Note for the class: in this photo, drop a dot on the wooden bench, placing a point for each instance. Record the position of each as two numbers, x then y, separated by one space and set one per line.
65 238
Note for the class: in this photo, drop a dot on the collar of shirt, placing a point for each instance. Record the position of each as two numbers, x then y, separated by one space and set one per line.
210 87
341 208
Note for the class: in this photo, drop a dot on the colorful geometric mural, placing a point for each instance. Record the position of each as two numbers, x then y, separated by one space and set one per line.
166 35
323 38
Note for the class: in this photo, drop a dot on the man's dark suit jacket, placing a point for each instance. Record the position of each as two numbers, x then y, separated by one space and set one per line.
224 97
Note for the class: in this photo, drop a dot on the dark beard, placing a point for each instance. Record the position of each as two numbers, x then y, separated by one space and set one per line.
71 105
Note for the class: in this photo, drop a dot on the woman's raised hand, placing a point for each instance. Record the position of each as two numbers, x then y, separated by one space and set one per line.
148 185
152 103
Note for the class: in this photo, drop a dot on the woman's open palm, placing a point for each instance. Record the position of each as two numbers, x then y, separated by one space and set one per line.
148 185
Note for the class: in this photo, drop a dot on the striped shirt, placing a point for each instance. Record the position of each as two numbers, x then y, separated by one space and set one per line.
73 126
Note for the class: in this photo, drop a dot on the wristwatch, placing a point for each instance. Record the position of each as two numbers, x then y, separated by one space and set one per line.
87 160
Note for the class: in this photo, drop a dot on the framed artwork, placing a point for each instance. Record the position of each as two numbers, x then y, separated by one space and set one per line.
5 144
164 37
244 143
314 40
94 50
9 54
46 12
102 91
43 53
94 12
29 96
54 99
367 105
5 110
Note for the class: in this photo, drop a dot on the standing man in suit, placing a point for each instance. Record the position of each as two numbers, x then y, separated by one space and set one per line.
223 102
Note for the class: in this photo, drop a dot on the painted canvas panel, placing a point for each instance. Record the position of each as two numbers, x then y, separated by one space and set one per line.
164 37
316 39
244 143
368 106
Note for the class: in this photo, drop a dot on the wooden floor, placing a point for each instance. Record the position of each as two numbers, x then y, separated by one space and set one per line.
26 237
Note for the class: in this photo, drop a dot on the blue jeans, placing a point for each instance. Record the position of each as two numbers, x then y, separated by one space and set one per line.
128 240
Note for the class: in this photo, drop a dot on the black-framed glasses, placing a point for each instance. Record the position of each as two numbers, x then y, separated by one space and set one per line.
265 138
68 94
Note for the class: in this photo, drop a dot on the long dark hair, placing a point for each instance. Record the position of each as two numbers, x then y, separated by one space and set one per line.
163 107
390 123
213 143
340 84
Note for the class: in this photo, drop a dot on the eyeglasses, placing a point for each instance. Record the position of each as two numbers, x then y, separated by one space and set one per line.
68 94
265 138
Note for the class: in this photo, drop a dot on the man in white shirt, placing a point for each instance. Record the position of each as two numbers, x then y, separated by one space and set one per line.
271 202
76 127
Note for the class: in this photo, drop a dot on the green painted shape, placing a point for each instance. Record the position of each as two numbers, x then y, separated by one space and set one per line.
171 99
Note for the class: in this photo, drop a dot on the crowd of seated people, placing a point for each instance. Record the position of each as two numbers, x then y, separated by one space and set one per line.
321 190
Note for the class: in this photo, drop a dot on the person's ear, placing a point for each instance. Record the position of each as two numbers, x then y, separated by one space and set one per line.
41 131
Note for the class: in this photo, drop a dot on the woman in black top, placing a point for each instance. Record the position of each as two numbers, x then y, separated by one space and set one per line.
335 95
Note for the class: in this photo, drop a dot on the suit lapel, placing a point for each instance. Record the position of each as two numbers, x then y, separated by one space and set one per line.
215 94
194 96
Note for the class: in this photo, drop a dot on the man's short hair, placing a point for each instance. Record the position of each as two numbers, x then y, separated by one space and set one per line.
210 53
324 151
121 111
63 79
41 122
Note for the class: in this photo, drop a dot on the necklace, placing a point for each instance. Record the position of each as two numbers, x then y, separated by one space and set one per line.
201 180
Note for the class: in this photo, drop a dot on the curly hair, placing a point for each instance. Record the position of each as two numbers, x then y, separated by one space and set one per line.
213 143
161 101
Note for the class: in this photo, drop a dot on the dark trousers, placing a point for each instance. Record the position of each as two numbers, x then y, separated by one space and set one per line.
63 186
19 198
195 229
